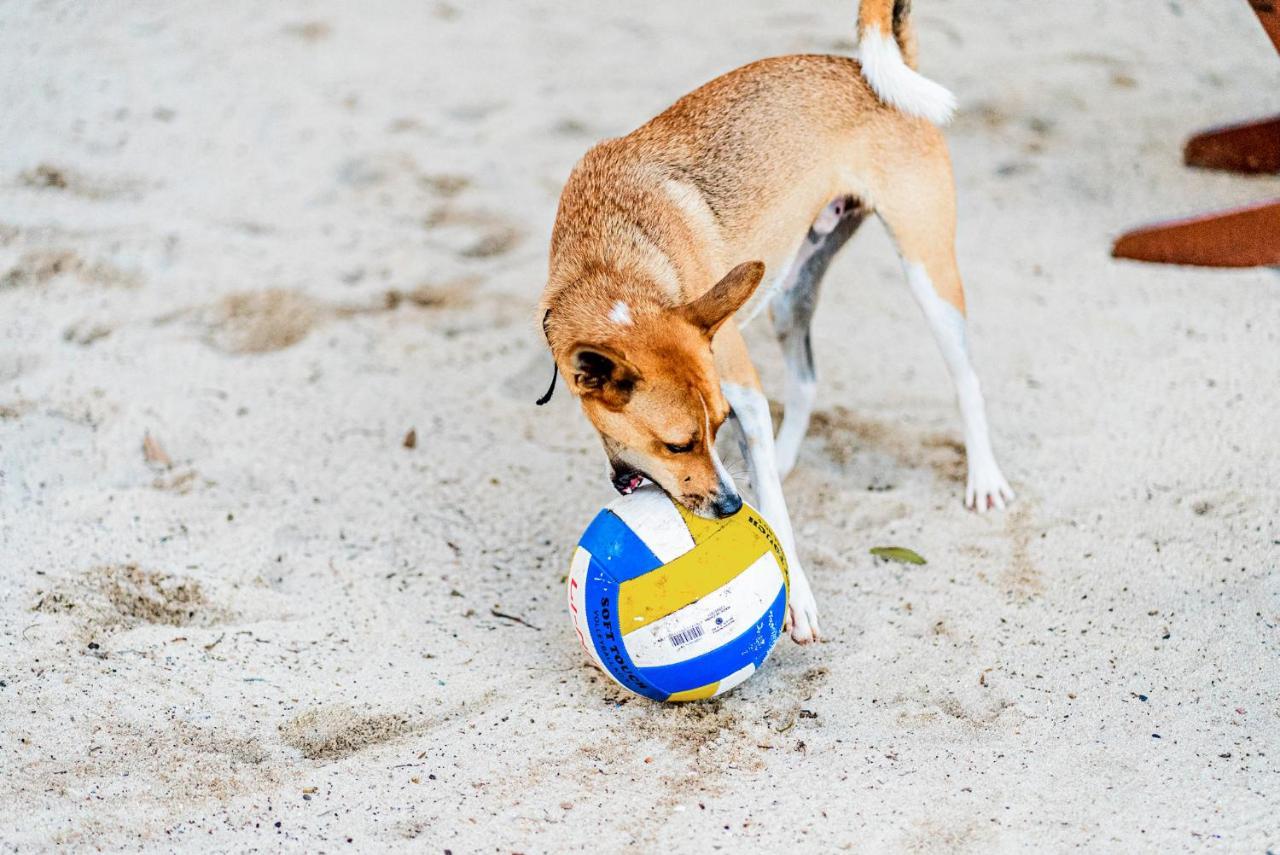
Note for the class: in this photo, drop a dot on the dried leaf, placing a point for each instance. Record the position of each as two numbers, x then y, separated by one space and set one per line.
154 452
411 438
898 553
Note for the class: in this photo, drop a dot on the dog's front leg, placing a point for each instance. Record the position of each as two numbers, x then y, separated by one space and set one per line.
751 412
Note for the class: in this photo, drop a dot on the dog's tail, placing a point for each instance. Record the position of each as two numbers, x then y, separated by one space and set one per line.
887 51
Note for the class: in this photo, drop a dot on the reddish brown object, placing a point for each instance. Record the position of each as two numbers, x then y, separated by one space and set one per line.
1241 237
1250 147
1269 16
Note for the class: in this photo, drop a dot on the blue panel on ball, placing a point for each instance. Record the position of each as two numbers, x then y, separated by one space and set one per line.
601 600
618 549
750 646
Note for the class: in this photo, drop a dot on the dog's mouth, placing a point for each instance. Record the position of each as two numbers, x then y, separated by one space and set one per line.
627 481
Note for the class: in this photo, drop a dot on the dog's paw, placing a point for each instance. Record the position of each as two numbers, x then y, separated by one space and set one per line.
802 612
986 488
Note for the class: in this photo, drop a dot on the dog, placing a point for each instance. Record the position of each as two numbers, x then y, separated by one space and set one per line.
663 237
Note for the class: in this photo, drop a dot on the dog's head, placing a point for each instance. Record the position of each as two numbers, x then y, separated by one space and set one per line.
650 387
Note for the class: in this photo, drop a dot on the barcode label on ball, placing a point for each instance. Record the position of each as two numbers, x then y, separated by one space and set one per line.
684 636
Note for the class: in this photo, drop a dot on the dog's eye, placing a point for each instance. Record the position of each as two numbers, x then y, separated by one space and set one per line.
680 449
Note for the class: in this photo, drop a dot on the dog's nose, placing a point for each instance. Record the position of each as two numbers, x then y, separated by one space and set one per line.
726 505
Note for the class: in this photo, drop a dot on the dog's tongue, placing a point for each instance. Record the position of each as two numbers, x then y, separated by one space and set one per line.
631 485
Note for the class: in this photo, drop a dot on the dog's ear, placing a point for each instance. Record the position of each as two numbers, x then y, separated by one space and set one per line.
602 372
728 295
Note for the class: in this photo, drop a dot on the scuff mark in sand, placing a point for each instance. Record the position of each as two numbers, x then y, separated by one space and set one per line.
112 597
844 432
1022 577
261 321
333 732
41 266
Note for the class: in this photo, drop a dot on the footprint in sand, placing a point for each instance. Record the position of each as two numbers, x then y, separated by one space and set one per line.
252 322
42 266
261 321
333 732
115 597
309 31
989 711
477 233
845 436
63 179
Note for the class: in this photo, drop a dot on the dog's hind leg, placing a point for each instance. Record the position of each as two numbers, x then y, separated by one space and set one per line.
792 310
917 203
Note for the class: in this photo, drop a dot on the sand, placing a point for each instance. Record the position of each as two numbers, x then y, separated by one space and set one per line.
246 249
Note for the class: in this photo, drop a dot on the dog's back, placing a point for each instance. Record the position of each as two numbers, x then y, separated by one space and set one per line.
737 168
766 126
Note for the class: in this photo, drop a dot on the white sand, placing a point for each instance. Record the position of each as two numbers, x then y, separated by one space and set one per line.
285 639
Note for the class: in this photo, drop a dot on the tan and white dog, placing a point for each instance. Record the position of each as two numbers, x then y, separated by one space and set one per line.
663 236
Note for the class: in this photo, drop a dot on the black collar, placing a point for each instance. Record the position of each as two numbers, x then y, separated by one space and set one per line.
554 371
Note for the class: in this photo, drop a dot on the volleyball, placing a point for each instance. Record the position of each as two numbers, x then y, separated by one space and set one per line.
672 606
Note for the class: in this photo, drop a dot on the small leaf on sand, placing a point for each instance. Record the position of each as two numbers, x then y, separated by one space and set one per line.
898 553
411 439
154 452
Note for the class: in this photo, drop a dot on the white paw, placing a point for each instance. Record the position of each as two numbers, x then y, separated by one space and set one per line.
986 488
802 611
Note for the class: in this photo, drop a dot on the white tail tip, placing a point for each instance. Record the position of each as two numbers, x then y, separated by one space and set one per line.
899 85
